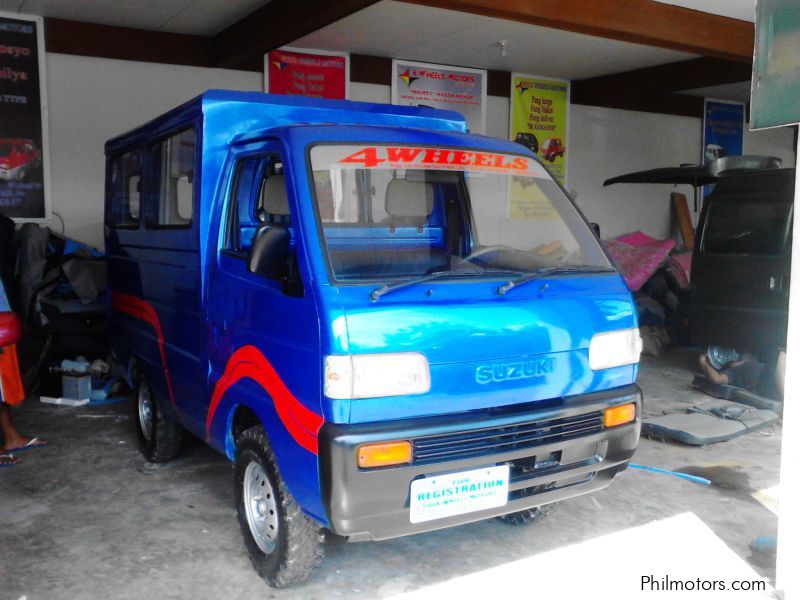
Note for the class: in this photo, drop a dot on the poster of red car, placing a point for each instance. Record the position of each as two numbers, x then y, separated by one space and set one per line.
552 148
23 131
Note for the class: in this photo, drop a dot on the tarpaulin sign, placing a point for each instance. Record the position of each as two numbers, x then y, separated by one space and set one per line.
23 124
436 86
723 129
307 73
539 113
723 132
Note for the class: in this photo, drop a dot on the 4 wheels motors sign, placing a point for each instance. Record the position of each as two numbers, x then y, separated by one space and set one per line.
22 120
436 86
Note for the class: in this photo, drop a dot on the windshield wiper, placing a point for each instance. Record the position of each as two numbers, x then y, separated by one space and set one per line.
563 270
390 287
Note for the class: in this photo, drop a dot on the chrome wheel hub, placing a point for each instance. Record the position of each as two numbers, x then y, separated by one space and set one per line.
260 507
145 402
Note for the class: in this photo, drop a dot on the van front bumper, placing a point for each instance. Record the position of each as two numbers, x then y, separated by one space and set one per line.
555 450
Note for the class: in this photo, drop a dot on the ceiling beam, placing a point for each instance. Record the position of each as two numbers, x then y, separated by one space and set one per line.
659 80
638 21
279 22
125 43
681 105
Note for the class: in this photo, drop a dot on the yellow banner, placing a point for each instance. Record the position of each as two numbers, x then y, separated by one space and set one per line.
539 109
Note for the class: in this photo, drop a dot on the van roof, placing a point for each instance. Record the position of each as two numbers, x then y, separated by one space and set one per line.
247 111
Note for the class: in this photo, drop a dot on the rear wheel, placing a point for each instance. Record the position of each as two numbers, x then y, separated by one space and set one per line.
160 438
284 545
529 515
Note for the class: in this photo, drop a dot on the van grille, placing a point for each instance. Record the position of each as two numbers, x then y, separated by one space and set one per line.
494 440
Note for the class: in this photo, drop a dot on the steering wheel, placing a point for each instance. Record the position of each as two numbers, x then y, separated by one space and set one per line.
486 250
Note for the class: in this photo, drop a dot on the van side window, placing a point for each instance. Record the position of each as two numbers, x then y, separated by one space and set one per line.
258 197
175 158
126 175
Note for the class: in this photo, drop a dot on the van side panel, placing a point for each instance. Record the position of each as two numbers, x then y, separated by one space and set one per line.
155 306
154 280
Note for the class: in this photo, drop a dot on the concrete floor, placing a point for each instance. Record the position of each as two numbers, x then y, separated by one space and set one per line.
89 518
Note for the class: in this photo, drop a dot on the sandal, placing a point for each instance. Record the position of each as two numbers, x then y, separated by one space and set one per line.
31 444
7 460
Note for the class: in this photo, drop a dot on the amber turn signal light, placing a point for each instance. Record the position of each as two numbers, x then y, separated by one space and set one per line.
619 415
384 454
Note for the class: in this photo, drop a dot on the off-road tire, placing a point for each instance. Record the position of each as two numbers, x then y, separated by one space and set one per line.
166 440
527 516
299 544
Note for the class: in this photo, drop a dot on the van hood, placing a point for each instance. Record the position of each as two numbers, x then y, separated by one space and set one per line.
485 349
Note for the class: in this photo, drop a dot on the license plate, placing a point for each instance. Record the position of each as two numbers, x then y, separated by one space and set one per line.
440 496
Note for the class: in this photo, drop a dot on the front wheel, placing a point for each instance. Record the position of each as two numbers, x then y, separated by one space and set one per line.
285 546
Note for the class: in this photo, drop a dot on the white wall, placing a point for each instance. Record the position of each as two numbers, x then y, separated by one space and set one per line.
772 142
91 100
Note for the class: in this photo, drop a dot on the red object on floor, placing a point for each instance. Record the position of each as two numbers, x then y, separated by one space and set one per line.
10 378
10 329
11 388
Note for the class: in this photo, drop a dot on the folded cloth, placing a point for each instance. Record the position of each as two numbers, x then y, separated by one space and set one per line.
679 267
638 256
11 390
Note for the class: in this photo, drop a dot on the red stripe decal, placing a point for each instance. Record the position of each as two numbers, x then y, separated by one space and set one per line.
144 311
303 424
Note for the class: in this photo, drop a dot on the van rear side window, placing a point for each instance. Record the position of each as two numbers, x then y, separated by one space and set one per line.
747 226
126 176
174 161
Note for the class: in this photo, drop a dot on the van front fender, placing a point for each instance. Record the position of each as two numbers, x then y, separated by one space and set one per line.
295 453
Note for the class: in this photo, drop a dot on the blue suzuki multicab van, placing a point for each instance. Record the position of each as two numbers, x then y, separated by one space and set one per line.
388 325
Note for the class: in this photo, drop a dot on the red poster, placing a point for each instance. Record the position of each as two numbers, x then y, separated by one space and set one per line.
304 74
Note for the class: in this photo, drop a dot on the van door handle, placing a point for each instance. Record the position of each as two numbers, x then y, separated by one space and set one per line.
776 283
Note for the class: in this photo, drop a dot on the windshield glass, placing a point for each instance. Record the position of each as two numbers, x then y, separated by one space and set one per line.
395 212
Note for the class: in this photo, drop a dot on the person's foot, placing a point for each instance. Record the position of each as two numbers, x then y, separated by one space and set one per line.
711 373
6 460
24 443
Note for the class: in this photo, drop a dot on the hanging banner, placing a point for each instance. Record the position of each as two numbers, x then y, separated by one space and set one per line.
23 120
723 130
539 114
309 73
437 86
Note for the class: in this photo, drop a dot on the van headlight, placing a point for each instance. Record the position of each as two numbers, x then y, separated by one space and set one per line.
376 375
615 349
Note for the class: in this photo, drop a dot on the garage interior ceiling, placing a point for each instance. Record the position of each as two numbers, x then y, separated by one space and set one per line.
195 17
411 31
735 9
639 55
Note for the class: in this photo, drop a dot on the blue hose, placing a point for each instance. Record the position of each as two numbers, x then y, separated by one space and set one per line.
692 478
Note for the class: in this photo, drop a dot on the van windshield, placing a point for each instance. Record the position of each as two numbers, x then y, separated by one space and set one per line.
391 212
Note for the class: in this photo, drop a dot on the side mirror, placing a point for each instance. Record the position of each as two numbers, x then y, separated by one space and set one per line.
596 229
270 252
